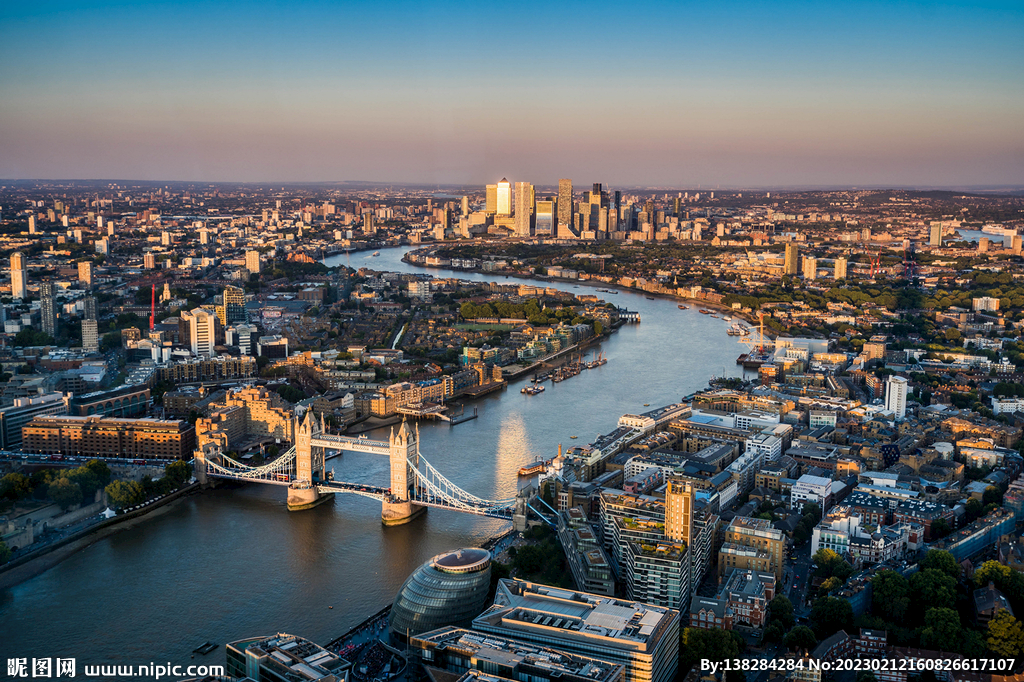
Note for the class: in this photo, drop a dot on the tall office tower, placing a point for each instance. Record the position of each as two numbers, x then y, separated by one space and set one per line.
491 206
369 223
602 220
504 198
896 395
32 224
90 336
19 278
597 195
544 222
983 244
202 326
234 305
48 308
649 207
85 274
810 267
677 205
565 202
465 205
680 496
90 309
252 261
524 208
840 272
149 261
792 259
618 201
935 238
613 220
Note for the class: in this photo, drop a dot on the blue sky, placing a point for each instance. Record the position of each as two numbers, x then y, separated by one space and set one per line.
675 94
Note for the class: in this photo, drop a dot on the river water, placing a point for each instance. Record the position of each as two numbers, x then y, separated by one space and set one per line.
234 563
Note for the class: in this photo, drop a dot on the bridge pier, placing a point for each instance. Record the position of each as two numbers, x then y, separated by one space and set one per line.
397 513
306 498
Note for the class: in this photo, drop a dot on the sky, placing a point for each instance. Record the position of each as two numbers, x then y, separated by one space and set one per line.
674 94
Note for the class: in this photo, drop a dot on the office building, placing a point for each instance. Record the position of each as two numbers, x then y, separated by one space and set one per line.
252 261
524 209
544 220
19 277
109 437
48 308
24 410
369 223
896 395
201 330
810 267
283 658
85 274
792 259
491 200
935 235
504 198
465 206
448 590
752 544
811 489
457 651
642 638
591 568
565 202
840 271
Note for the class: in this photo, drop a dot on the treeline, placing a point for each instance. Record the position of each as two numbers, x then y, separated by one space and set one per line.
128 493
529 311
64 487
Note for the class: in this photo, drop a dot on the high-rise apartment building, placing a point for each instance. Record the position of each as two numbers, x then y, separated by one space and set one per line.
202 329
465 205
840 271
90 336
935 235
544 218
810 267
792 259
19 277
369 223
234 305
32 224
48 308
149 261
565 202
85 274
524 208
680 496
896 395
504 198
90 310
252 261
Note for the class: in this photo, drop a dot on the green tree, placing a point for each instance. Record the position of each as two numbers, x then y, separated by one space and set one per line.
831 614
780 610
801 638
1005 635
866 676
931 588
5 553
86 480
829 585
99 469
889 596
992 495
713 645
942 630
124 493
177 473
943 561
15 486
64 493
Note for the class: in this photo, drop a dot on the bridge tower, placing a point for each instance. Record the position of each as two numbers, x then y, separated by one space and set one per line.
404 446
310 468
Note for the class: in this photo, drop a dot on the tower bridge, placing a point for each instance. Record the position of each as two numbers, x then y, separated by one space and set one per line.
415 484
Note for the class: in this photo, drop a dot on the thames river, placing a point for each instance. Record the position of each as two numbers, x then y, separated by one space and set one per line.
233 563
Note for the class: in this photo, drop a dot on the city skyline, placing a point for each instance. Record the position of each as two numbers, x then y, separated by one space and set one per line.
866 94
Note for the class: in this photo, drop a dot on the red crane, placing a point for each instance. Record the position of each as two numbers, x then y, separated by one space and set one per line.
152 309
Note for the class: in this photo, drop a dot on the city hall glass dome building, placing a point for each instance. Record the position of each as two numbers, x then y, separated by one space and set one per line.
450 589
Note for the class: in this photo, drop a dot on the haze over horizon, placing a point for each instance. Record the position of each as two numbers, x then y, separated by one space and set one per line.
742 94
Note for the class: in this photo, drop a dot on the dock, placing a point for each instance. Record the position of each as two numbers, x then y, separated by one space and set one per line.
484 389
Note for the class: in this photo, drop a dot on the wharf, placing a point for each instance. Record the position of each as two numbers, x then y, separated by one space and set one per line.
483 389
